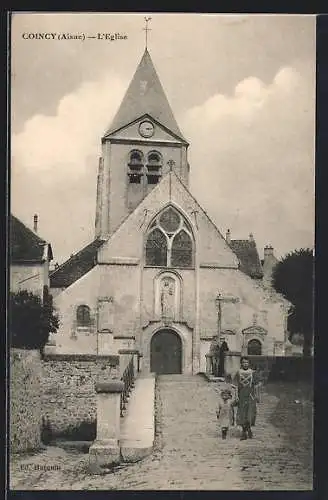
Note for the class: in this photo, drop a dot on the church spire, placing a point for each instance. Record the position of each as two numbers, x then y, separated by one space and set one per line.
145 96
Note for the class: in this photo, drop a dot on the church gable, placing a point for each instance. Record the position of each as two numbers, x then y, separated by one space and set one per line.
213 251
133 131
128 241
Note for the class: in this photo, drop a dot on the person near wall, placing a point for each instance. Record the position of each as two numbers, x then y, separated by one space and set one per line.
247 385
223 349
215 354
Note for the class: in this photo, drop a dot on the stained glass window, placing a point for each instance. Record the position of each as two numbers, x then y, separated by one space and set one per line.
181 254
169 242
170 220
156 248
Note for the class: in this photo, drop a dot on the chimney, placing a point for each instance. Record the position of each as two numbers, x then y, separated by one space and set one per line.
228 236
268 251
35 223
251 237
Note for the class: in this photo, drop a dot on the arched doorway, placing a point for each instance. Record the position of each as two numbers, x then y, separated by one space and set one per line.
166 352
254 347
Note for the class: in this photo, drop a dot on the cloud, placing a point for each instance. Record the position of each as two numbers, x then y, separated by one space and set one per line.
252 159
54 164
61 144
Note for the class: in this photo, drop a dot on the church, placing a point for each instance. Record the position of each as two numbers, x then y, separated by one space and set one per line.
159 277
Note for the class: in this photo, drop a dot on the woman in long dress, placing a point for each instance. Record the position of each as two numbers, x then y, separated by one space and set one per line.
247 396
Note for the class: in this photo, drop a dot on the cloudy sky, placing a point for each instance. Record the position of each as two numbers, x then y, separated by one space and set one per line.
243 92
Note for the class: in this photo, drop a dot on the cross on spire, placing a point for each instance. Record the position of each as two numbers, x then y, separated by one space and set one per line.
146 29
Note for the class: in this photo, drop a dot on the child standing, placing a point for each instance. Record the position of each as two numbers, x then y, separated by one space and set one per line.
225 412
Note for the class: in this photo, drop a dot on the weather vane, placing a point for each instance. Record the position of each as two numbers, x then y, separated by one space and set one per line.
146 29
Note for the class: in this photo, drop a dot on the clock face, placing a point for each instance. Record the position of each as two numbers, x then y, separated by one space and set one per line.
146 129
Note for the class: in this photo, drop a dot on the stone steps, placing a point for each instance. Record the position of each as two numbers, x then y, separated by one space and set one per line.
138 424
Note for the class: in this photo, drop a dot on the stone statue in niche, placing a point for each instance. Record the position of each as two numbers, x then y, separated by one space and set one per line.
167 299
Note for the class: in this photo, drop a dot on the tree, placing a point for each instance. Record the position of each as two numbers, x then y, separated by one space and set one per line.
293 277
31 319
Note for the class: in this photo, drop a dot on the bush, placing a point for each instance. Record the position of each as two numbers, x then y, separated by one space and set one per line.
84 431
293 277
297 339
31 319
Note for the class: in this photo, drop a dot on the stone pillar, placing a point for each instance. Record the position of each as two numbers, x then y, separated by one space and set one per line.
105 344
135 363
140 361
105 450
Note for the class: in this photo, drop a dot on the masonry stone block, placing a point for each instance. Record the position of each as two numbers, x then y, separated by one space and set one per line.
105 451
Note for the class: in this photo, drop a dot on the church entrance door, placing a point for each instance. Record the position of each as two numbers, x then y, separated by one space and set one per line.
166 352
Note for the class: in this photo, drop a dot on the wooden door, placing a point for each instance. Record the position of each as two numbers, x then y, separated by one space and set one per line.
165 352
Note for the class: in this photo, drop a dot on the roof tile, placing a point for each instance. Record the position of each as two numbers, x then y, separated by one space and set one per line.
76 266
248 256
24 244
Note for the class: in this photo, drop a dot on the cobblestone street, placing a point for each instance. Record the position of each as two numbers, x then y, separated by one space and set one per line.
189 453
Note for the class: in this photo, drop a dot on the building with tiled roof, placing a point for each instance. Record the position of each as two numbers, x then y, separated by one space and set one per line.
159 276
30 257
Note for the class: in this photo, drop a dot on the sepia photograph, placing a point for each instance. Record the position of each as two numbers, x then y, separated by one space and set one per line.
161 251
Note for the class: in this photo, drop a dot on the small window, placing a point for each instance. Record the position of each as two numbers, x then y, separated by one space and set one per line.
83 316
154 165
136 158
135 170
254 347
154 158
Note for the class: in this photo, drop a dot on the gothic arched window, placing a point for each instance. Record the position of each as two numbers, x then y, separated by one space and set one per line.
154 167
169 241
135 164
83 317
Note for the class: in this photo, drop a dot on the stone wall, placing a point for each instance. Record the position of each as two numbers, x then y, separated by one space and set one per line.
231 363
25 401
68 389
